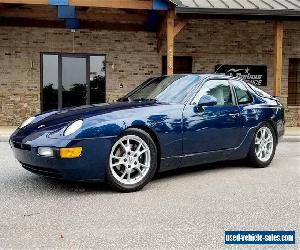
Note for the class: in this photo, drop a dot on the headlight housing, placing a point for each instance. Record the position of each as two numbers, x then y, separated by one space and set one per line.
28 121
46 151
73 127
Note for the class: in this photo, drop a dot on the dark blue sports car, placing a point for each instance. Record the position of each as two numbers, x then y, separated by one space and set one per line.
166 123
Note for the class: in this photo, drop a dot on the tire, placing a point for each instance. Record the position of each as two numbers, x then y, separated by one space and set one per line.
259 149
132 161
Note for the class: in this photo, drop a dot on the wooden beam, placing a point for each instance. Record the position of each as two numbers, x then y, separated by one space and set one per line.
170 41
25 1
50 13
92 25
178 27
278 40
168 26
98 25
26 22
111 17
119 4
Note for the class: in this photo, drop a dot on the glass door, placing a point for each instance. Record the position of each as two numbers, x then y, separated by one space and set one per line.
49 94
97 79
72 80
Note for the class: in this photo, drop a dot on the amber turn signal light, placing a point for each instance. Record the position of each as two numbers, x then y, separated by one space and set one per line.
70 152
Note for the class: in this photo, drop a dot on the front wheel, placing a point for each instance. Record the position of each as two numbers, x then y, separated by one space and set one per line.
132 161
263 146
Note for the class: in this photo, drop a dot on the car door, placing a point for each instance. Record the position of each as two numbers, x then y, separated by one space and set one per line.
215 127
244 100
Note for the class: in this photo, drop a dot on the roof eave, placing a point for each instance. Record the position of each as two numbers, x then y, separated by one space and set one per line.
246 12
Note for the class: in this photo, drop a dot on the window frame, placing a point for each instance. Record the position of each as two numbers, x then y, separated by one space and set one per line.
192 100
297 104
235 94
67 54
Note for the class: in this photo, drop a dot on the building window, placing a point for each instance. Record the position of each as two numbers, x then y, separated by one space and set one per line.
72 80
182 65
294 83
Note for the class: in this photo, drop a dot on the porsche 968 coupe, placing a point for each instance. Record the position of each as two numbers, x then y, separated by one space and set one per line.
166 123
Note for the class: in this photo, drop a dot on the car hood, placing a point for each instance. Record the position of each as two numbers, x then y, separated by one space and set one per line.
56 119
82 112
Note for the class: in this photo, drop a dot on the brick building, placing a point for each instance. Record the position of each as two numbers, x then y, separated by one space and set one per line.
106 48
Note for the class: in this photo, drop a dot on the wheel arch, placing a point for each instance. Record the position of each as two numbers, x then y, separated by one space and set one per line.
154 137
273 125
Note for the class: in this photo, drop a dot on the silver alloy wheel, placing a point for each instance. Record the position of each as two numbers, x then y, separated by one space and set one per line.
264 143
130 159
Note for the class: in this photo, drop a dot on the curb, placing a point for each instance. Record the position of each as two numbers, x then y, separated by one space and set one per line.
4 138
290 138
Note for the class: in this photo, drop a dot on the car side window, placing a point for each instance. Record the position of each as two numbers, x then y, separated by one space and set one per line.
242 94
220 89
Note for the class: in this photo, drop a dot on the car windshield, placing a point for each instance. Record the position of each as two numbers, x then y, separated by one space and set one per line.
169 89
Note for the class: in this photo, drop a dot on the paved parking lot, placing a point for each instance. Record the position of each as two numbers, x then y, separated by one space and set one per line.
181 209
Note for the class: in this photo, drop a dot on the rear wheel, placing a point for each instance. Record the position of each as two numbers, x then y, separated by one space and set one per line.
263 146
132 161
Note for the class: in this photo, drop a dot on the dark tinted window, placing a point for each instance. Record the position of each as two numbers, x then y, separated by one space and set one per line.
242 94
50 82
97 79
181 65
294 82
219 89
72 80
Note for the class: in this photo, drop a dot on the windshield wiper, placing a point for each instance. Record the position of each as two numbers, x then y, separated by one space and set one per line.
143 99
123 99
138 99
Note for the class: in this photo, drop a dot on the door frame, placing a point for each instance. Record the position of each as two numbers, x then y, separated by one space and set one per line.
190 105
66 54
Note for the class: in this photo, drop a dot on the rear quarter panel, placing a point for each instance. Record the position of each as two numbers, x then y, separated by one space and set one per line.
263 110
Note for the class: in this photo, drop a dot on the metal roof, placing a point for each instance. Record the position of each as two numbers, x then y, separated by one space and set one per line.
250 7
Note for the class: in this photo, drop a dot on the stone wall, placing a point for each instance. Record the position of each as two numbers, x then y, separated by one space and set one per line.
132 57
212 42
17 106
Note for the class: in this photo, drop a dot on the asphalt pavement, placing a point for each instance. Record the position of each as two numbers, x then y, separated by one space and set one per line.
186 209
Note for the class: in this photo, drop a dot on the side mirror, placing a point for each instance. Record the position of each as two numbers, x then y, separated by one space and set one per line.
207 100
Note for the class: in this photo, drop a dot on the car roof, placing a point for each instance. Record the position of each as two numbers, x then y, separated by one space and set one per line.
209 76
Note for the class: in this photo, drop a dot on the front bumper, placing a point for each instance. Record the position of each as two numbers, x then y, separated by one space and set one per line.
90 166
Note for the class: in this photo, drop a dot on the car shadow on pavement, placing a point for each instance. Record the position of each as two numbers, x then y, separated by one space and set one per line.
202 168
62 187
